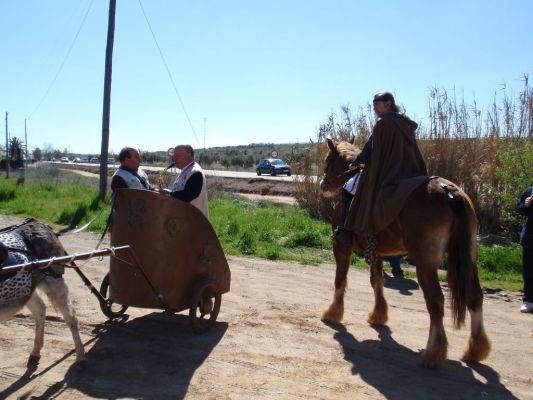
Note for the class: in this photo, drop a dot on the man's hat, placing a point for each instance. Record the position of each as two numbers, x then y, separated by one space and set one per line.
384 96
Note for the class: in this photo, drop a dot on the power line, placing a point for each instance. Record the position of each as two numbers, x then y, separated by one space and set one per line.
170 75
64 60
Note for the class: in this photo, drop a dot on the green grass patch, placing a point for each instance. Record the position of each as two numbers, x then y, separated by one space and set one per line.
268 230
244 227
60 198
501 267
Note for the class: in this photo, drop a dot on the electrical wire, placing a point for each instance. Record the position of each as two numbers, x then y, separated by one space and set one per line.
169 74
63 62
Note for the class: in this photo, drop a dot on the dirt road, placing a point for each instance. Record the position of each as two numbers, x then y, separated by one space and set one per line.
268 343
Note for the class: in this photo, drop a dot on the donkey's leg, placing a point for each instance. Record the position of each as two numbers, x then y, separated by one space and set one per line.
343 256
437 345
57 291
38 312
379 314
478 347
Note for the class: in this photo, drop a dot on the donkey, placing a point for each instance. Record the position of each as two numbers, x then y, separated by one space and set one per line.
23 243
437 218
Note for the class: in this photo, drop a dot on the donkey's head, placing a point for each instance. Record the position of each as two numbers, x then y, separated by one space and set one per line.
340 155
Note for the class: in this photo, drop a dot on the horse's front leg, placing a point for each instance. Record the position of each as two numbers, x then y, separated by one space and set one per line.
38 312
379 314
343 256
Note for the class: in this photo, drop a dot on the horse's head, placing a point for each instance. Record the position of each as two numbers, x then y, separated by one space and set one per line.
340 155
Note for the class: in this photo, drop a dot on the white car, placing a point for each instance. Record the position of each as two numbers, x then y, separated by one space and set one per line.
65 159
94 160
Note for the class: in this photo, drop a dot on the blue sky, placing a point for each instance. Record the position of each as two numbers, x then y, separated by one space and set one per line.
246 71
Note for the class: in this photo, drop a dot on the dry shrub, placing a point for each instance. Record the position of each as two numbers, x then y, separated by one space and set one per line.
312 164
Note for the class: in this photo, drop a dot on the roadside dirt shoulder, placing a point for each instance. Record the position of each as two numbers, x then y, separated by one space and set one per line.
268 343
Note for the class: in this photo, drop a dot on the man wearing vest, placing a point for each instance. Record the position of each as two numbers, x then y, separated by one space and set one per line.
129 175
190 185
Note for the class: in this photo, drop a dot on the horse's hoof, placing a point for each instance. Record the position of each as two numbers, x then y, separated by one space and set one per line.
33 361
332 317
377 319
432 361
81 365
477 350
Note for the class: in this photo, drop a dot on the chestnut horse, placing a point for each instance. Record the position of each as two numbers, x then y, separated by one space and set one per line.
437 218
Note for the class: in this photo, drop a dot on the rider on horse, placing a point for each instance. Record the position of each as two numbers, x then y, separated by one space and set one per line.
393 168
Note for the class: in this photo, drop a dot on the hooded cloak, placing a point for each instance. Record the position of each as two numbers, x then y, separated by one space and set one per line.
395 168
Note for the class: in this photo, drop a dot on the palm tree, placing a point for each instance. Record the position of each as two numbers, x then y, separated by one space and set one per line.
16 150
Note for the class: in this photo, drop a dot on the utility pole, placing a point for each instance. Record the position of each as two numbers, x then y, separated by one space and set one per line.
7 151
107 98
205 119
26 144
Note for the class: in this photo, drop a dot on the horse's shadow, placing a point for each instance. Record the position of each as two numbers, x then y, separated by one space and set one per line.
404 286
151 357
396 372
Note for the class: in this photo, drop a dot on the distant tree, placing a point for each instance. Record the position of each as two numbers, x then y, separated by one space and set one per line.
37 153
16 152
249 161
204 158
48 151
237 161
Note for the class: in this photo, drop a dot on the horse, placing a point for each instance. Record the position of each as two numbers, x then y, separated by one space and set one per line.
23 243
437 218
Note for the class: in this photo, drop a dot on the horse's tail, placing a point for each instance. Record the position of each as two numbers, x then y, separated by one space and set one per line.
461 256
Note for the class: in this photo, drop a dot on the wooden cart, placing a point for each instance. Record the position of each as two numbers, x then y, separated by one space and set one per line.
175 263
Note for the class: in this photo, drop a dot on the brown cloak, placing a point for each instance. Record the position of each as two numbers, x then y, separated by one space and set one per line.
395 169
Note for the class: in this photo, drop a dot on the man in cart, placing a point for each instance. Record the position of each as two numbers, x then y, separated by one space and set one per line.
190 184
129 175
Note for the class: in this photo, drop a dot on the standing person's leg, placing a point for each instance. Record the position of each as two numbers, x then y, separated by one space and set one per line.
527 273
394 262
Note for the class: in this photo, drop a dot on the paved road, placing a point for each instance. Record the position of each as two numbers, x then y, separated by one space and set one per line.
208 172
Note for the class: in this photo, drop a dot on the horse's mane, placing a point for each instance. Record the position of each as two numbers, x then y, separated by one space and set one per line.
347 151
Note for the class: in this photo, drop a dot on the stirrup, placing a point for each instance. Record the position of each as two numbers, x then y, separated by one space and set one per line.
343 236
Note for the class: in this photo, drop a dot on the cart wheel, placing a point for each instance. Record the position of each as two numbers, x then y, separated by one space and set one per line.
205 305
111 310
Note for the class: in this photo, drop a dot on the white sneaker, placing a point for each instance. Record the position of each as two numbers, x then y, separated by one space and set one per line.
527 307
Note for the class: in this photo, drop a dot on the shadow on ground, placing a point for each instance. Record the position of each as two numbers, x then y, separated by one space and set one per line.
151 357
404 286
396 372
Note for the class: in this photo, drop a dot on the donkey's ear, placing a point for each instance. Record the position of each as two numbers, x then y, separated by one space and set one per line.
331 145
352 140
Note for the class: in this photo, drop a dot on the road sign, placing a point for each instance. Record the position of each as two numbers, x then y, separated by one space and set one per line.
274 154
170 152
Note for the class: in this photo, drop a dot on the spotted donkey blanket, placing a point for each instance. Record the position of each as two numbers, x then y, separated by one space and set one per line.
27 242
18 285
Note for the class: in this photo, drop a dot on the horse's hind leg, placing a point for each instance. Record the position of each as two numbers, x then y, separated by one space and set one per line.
57 291
38 312
437 345
478 347
335 311
379 314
